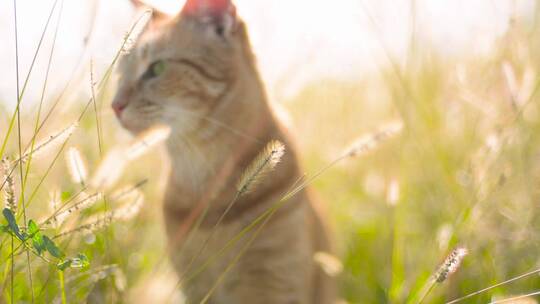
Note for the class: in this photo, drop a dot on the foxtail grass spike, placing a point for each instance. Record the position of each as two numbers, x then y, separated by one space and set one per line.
450 265
124 213
265 162
84 204
130 210
370 142
9 189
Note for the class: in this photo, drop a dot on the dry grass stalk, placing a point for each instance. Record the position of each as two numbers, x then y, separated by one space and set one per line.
511 82
54 203
522 299
265 162
77 166
90 227
131 37
9 189
54 200
370 142
127 193
50 142
124 213
130 210
450 265
148 140
87 202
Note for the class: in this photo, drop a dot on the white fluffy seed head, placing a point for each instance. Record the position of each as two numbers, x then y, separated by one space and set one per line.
86 202
50 142
110 170
130 209
147 141
370 142
100 221
76 166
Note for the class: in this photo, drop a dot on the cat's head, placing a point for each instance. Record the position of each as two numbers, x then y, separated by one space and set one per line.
182 69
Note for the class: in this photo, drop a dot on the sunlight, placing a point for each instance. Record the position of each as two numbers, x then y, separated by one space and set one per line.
295 41
375 151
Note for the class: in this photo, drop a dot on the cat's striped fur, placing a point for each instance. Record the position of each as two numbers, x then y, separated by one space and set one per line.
196 73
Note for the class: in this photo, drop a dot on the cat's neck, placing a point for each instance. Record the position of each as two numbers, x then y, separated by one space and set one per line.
215 163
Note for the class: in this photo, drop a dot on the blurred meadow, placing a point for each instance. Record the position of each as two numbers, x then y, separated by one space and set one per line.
462 77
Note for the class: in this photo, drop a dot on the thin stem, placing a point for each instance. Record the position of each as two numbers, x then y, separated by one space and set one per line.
237 258
212 232
516 298
396 258
62 286
96 113
528 274
12 286
103 81
20 96
263 216
19 142
42 98
427 290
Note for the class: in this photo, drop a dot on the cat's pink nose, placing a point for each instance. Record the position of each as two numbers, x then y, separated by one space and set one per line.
119 104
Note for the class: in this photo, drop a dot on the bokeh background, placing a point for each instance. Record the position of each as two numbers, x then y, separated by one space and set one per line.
461 75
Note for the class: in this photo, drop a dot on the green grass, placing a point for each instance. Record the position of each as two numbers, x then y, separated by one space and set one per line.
467 165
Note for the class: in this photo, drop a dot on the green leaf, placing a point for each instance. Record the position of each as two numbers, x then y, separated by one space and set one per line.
33 228
39 243
64 265
4 229
12 223
37 239
52 248
81 261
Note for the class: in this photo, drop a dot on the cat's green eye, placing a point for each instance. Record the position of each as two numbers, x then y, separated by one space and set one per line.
155 69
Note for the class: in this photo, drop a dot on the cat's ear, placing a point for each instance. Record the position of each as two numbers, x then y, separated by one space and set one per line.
219 13
156 14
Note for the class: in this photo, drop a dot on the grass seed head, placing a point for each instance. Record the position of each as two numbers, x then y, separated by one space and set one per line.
87 202
370 142
9 187
451 264
263 164
130 209
51 142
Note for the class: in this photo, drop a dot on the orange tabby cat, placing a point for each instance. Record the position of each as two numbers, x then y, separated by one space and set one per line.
196 73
